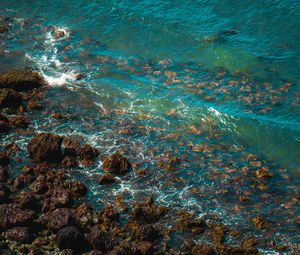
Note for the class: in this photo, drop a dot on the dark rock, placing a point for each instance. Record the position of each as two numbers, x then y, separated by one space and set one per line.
20 235
71 147
88 152
203 249
21 80
4 124
34 105
3 29
19 122
12 148
4 193
3 174
229 32
59 218
100 240
11 216
116 164
4 159
69 162
189 224
106 179
71 238
45 147
10 98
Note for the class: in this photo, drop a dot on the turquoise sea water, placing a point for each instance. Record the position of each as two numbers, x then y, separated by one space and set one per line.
207 81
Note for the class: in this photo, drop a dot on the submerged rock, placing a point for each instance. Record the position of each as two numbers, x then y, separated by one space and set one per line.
45 147
10 98
21 80
116 164
69 162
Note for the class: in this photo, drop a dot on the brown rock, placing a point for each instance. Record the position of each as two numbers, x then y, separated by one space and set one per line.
59 218
116 164
34 105
71 147
19 122
259 222
60 197
147 213
21 80
69 162
88 152
77 188
20 235
203 249
45 147
106 179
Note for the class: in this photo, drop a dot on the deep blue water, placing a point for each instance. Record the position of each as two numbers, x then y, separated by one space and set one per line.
207 81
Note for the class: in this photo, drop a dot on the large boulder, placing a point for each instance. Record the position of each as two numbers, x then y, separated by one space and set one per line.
116 164
10 98
45 147
71 238
21 80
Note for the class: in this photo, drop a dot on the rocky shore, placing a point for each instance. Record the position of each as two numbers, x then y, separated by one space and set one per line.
42 211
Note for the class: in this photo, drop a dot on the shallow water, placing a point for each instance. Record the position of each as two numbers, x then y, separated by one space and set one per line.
173 74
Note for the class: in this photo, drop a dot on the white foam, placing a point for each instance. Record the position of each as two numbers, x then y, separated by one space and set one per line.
64 78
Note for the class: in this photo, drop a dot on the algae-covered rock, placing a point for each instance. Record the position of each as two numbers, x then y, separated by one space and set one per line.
20 235
21 80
